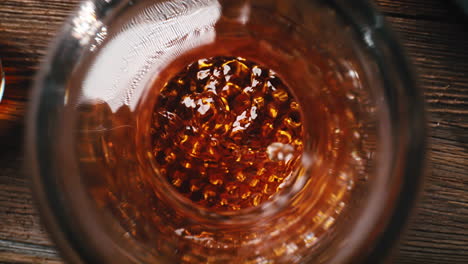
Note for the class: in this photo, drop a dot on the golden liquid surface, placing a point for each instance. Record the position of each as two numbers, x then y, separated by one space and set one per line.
226 133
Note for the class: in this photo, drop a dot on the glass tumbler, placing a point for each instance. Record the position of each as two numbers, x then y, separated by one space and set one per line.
212 131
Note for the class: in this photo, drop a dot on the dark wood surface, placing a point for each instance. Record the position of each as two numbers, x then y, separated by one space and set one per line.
434 33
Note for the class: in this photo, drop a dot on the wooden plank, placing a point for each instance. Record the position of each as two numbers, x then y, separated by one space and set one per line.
17 252
435 41
438 233
439 10
26 28
19 219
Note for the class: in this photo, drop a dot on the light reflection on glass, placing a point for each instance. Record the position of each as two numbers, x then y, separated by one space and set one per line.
148 43
2 81
85 25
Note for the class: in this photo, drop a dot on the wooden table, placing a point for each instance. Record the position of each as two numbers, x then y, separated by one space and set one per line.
434 33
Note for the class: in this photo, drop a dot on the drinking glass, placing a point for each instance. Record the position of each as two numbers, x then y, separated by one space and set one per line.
99 179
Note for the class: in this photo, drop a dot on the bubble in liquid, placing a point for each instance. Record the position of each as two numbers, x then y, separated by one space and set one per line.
233 133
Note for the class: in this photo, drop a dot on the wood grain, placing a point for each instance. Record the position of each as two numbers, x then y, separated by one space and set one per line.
434 35
437 10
